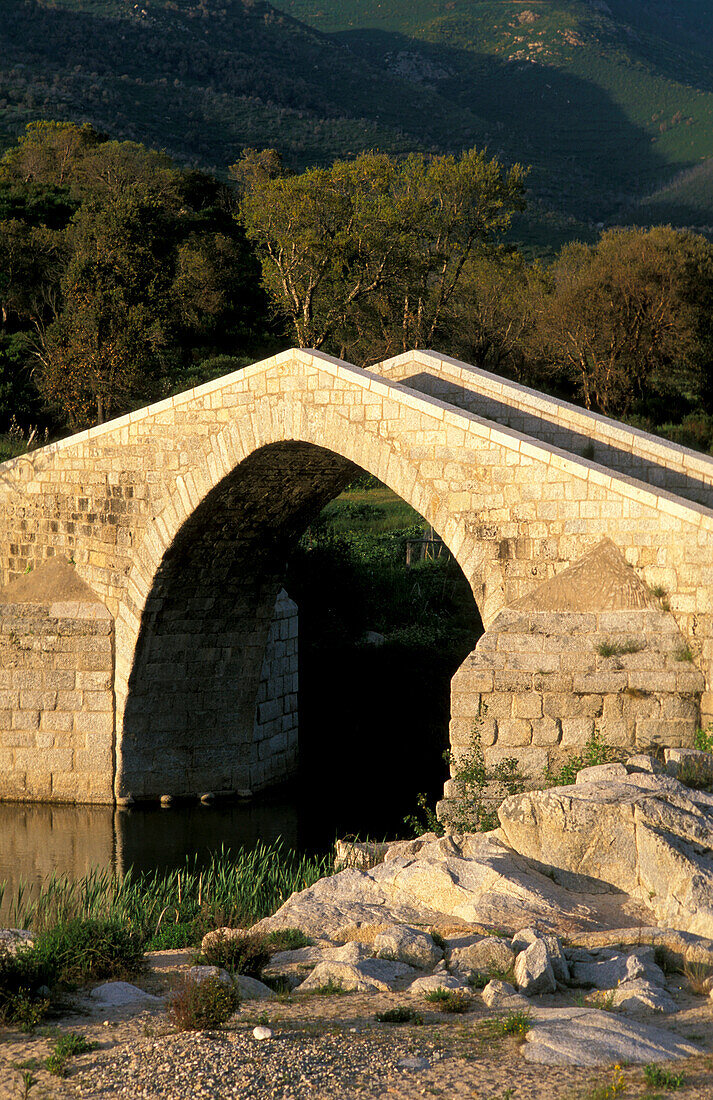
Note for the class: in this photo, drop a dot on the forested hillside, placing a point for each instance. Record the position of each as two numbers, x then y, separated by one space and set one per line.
609 101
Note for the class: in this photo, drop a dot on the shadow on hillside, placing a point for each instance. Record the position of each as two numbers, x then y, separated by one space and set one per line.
204 87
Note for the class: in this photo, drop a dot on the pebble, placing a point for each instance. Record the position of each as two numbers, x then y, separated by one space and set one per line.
262 1032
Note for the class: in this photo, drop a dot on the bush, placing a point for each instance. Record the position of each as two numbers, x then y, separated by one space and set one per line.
87 950
196 1006
21 977
399 1016
241 954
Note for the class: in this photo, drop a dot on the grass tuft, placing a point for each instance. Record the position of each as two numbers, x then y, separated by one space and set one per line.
67 1046
454 1001
659 1078
204 1005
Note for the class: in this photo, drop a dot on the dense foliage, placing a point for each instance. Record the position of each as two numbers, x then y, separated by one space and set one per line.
119 276
124 278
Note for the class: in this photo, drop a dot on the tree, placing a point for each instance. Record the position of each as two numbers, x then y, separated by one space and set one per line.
105 344
491 319
47 152
366 255
629 317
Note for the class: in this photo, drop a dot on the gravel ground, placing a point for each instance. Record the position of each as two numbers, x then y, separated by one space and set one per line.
327 1048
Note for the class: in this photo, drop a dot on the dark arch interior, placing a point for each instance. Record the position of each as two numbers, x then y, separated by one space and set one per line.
191 708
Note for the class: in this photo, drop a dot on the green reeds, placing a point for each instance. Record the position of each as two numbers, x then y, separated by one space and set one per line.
233 889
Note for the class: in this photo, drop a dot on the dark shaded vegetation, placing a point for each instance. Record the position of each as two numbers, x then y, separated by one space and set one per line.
607 104
65 955
384 706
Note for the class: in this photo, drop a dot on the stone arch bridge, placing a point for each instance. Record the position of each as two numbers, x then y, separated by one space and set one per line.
141 562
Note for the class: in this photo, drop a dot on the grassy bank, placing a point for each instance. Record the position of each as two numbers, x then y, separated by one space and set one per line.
171 908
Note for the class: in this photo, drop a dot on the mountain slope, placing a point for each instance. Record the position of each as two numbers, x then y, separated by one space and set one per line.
610 101
204 80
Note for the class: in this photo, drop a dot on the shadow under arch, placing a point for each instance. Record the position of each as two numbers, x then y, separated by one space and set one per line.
190 711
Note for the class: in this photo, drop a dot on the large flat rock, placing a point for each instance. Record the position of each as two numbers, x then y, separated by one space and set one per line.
588 1037
474 879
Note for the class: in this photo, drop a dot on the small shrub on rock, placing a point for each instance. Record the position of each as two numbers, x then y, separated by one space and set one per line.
240 954
197 1006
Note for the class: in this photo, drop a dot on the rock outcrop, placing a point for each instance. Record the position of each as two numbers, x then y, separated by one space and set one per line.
646 835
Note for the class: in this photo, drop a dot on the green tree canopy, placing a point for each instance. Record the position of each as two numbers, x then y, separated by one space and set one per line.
629 317
364 257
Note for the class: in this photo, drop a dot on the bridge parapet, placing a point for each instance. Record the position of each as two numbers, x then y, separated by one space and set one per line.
623 449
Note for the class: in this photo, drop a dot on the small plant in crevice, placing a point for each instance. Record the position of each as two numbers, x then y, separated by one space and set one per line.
454 1001
438 939
619 649
703 740
595 752
661 594
698 977
468 770
203 1005
399 1016
684 653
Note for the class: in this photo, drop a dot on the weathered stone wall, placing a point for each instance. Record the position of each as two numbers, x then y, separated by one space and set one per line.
275 735
56 702
539 684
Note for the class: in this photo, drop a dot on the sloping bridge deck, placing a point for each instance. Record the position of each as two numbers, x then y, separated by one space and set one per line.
180 517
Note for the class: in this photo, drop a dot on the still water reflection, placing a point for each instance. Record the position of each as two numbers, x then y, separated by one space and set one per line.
39 840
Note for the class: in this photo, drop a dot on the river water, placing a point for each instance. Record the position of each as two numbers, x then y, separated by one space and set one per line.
371 740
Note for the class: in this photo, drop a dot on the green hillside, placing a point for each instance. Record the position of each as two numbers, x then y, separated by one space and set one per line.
607 100
610 101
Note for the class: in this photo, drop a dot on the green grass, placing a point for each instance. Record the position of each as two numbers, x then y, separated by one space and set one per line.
658 1077
452 1001
233 889
67 1046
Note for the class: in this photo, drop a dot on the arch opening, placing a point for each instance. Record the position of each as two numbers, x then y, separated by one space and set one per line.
190 719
